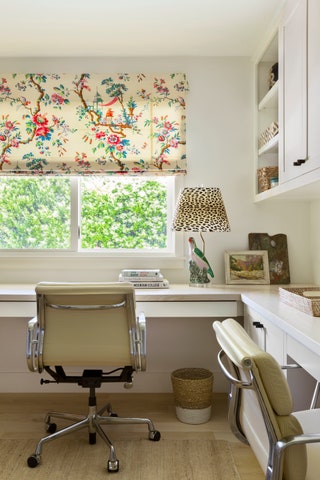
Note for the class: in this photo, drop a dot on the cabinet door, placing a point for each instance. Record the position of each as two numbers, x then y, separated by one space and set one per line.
265 334
314 82
293 35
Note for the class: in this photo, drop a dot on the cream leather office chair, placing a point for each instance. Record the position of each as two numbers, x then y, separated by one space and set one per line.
92 326
286 444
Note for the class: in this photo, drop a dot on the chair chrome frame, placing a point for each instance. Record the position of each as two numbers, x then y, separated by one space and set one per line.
90 378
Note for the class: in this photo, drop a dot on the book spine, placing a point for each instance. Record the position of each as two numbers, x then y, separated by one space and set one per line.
140 278
140 273
164 284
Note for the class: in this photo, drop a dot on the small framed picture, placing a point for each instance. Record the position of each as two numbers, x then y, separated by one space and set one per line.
249 266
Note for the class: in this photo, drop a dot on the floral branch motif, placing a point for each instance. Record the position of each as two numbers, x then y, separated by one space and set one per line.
112 126
36 125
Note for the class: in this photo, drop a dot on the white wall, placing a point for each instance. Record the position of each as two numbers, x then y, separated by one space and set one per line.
220 153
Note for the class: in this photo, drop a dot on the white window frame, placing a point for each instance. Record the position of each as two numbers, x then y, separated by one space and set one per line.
174 249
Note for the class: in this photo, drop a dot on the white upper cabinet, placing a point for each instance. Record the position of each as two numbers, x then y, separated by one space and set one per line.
314 83
298 103
293 96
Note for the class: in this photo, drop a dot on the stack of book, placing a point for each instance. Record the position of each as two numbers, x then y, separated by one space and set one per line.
147 278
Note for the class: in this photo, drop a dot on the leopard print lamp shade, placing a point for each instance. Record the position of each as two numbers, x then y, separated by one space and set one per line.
201 209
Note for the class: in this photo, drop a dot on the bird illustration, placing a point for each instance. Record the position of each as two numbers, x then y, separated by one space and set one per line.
198 257
110 103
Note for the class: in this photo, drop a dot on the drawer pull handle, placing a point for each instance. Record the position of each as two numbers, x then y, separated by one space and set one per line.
257 324
299 162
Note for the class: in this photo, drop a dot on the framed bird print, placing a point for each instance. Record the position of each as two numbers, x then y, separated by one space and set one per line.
248 266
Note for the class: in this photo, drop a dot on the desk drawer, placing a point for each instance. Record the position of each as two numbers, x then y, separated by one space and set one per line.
18 309
188 309
307 359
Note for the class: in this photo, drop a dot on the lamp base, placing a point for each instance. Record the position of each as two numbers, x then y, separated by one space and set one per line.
199 285
198 276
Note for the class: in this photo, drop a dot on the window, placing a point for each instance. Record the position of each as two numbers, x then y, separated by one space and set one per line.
87 214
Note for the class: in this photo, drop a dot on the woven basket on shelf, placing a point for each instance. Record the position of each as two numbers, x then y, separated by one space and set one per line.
268 134
264 176
295 297
192 390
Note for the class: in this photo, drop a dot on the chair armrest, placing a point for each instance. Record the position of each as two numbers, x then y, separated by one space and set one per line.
235 381
304 438
33 345
288 442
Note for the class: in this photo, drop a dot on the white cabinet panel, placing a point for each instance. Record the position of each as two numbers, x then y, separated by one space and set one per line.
18 309
314 83
293 36
265 334
188 309
304 357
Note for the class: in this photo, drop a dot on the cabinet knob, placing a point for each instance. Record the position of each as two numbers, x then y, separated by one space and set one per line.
257 324
299 162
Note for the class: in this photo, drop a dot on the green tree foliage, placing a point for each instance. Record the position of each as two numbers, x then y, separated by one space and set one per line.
35 213
122 215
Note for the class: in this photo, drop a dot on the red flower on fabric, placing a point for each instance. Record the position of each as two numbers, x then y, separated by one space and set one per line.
39 119
100 135
113 139
9 125
42 131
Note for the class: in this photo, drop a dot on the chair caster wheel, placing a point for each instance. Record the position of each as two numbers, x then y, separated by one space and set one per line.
155 436
113 466
33 461
51 427
92 438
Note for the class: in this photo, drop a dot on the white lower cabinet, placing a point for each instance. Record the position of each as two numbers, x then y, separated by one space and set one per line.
265 334
286 351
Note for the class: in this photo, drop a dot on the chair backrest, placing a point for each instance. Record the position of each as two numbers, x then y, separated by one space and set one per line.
88 324
261 408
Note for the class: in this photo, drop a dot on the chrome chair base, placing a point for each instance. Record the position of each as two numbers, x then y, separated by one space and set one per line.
93 422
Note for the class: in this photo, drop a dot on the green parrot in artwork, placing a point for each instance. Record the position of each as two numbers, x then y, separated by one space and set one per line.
198 257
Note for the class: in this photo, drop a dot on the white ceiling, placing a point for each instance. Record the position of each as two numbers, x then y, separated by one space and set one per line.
55 28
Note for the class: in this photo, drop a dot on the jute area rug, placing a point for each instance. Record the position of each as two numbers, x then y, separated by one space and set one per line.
141 459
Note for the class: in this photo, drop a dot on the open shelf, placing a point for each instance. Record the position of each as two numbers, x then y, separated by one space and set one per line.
271 146
270 100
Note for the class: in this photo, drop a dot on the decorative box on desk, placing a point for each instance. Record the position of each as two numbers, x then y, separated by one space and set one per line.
305 299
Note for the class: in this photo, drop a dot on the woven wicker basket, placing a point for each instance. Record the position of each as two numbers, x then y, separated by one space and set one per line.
295 298
192 391
264 176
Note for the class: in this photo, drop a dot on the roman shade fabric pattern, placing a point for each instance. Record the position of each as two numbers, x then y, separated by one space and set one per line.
71 124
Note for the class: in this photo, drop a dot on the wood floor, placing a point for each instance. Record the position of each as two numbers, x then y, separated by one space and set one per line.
21 416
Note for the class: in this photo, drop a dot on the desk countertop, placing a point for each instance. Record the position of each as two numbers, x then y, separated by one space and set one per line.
302 327
176 293
263 298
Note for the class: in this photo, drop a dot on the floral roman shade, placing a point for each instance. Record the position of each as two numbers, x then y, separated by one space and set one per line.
60 124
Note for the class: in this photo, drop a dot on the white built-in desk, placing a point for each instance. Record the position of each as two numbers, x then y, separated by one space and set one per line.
176 301
179 334
179 331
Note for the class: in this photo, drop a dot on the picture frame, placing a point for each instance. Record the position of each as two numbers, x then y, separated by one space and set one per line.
247 267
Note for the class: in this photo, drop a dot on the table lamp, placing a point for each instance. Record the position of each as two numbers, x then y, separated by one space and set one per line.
200 209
